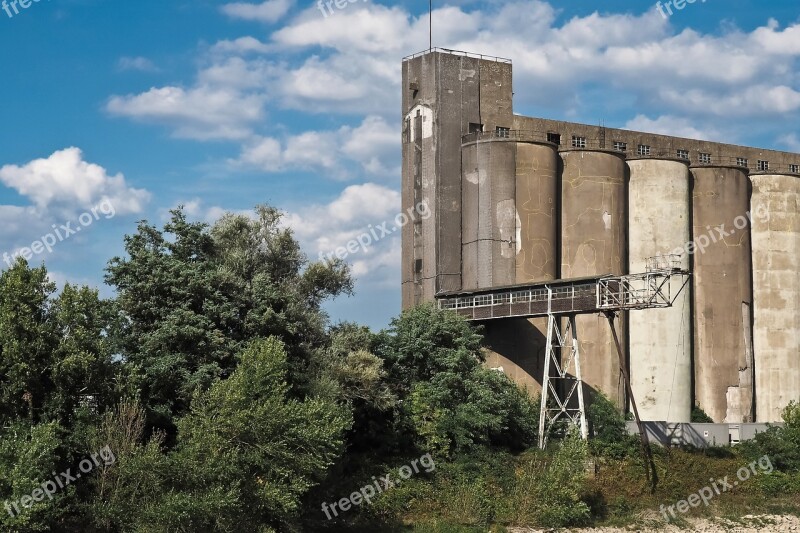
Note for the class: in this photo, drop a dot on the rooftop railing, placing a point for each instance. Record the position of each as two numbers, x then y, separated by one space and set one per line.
458 53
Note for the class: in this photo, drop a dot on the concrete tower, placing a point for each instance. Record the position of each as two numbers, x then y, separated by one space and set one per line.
447 96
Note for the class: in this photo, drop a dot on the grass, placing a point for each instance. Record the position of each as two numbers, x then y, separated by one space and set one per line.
491 491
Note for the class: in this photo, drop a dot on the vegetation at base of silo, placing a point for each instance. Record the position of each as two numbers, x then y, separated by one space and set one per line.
231 403
700 417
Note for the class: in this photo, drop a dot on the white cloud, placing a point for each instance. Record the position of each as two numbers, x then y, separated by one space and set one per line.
372 146
242 45
375 145
196 209
669 125
638 54
201 113
358 210
756 100
791 142
269 11
65 180
348 65
141 64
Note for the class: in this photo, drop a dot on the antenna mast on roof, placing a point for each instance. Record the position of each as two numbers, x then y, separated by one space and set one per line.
430 24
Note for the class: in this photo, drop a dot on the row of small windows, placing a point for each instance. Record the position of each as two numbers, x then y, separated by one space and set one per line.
579 141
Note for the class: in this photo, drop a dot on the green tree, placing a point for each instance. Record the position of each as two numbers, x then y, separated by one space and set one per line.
193 296
451 401
26 342
83 370
424 341
247 452
780 444
28 456
275 289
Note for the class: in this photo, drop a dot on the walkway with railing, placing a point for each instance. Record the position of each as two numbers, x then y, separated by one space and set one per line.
647 290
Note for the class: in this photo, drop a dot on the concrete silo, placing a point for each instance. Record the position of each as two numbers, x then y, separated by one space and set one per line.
659 203
593 220
775 234
723 355
502 239
488 234
518 346
537 212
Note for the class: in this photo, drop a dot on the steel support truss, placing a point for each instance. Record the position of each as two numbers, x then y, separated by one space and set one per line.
567 403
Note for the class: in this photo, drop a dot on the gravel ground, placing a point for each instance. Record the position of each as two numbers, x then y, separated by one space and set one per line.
748 524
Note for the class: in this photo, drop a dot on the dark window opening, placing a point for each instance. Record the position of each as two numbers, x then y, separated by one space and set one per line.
554 138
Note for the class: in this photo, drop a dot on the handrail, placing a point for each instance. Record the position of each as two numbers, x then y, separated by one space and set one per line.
458 53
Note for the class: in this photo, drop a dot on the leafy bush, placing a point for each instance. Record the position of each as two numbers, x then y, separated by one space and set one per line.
451 402
780 444
453 412
28 458
549 488
609 436
247 453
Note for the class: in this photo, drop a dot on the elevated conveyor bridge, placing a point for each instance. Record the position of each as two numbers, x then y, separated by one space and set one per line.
561 301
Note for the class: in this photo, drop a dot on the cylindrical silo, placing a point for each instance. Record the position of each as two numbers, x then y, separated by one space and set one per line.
537 212
723 355
518 346
488 169
659 203
594 217
775 234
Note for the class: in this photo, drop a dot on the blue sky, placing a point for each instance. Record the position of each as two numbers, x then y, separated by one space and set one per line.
220 106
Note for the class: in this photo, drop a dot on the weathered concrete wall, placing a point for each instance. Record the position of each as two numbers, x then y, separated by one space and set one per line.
593 221
518 347
722 292
489 240
470 201
537 212
496 106
419 152
775 232
496 213
659 200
